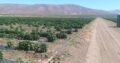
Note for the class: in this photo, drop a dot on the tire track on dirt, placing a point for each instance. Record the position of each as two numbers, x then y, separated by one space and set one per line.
105 45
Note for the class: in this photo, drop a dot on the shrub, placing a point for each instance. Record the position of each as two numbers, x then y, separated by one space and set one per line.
40 48
61 35
23 60
28 36
29 46
69 32
19 60
76 30
43 48
25 45
1 56
34 36
43 34
51 37
9 44
58 23
25 36
2 34
58 28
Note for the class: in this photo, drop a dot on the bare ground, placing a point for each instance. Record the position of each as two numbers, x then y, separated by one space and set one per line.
80 43
105 47
100 44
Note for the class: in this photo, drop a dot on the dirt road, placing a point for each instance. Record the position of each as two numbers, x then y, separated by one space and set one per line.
105 43
99 43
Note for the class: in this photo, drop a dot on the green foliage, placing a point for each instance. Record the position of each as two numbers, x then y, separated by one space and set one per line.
25 45
76 30
60 24
30 46
43 34
57 28
19 60
61 35
69 31
111 18
57 22
1 56
2 35
40 48
51 37
9 44
22 60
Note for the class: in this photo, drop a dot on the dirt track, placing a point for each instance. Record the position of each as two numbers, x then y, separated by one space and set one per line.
98 43
102 47
105 44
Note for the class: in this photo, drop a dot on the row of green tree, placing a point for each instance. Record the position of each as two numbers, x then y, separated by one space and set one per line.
34 35
60 24
28 46
65 23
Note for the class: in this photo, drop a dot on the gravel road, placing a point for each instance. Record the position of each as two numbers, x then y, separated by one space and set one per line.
105 44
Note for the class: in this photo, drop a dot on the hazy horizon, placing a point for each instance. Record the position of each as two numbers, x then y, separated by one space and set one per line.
95 4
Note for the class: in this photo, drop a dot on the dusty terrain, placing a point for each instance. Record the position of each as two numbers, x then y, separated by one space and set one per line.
97 42
101 46
79 44
105 46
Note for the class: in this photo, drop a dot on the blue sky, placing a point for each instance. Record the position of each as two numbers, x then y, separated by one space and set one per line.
95 4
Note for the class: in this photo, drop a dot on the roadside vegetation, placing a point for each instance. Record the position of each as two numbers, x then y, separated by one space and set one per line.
1 56
50 28
28 31
30 46
111 18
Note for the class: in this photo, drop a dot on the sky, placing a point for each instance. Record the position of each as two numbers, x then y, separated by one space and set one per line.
95 4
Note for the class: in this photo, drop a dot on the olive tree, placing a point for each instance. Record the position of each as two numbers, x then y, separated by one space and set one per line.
61 35
51 37
25 45
40 48
9 44
1 56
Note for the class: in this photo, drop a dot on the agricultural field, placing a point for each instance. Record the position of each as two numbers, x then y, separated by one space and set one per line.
33 36
111 18
32 28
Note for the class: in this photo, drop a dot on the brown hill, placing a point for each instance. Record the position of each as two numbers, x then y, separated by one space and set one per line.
46 9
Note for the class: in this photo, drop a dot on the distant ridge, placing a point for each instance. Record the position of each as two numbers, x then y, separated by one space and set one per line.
48 9
115 11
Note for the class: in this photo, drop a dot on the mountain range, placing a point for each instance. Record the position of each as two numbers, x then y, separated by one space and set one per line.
48 9
115 11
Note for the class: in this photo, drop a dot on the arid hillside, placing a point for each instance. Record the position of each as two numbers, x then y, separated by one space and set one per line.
47 9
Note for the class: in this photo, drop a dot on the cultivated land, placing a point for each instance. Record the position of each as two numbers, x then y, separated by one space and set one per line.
97 42
40 38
